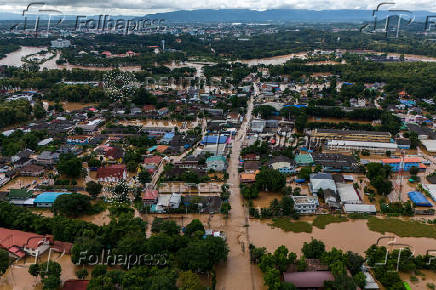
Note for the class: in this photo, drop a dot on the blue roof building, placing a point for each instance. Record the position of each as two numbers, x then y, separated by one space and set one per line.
213 139
46 199
419 199
166 139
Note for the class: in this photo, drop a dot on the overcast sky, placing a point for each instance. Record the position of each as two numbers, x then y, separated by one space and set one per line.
141 7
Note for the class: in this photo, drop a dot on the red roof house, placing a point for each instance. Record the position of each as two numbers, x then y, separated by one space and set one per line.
20 243
150 196
75 285
113 173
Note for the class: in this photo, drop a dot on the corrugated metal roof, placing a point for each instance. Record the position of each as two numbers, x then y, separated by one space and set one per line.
49 197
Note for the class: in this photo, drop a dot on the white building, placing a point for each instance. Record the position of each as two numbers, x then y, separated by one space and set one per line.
305 204
60 43
347 193
347 146
360 208
322 181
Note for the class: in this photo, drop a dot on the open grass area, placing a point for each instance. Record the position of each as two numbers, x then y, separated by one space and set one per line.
402 228
288 226
321 221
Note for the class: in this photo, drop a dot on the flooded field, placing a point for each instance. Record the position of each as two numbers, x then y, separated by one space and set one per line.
275 60
17 276
14 59
353 235
427 277
264 199
21 182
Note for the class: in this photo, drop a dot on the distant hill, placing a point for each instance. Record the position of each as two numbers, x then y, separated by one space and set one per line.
272 16
251 16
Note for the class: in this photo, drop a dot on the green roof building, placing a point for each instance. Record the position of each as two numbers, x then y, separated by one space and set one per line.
303 160
21 197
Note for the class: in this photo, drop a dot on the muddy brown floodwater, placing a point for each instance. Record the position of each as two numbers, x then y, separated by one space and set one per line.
353 235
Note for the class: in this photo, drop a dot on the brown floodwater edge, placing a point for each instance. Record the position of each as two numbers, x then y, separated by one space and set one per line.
353 235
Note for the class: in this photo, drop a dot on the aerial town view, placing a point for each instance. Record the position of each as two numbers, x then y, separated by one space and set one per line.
224 145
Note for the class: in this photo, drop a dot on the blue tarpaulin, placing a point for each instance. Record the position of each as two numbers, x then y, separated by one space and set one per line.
419 199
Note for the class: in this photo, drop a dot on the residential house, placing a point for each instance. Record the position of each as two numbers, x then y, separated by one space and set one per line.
46 199
168 201
48 158
283 164
248 177
19 243
78 140
217 163
305 204
303 159
308 280
21 197
150 196
112 173
167 137
75 285
152 163
70 149
32 170
321 181
251 166
149 109
163 111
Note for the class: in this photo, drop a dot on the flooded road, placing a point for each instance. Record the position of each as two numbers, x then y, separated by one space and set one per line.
237 231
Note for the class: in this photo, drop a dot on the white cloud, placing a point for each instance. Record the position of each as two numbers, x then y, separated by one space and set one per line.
140 7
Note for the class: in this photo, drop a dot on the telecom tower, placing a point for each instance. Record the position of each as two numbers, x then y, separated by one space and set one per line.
163 45
398 188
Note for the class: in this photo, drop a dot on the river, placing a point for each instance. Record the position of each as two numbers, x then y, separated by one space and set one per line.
14 59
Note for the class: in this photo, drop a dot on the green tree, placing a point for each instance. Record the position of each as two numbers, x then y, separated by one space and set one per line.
70 165
314 249
51 282
414 140
194 226
82 273
202 255
72 205
189 281
269 179
360 280
144 177
272 279
34 270
165 226
4 261
225 208
305 173
414 170
93 188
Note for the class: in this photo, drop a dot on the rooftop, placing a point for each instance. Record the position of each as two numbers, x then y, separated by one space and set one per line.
49 197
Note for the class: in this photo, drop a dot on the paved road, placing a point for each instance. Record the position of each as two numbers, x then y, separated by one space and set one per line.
238 272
